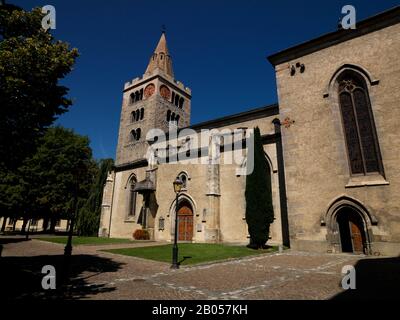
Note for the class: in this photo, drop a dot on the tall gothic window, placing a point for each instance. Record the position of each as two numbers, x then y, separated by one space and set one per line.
358 122
132 198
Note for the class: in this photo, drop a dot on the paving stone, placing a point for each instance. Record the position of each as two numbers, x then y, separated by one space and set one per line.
101 275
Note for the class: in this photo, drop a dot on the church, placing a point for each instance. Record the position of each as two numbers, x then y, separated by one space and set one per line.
332 143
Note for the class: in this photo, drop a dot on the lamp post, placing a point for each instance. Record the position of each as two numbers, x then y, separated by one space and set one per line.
177 188
78 172
68 247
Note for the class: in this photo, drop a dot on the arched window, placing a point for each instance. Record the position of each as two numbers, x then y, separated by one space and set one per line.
133 116
132 98
358 123
132 198
137 96
177 119
137 115
176 100
168 115
141 114
133 135
173 117
141 94
184 178
181 101
173 97
167 153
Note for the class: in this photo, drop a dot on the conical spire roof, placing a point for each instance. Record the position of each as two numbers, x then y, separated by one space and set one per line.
161 58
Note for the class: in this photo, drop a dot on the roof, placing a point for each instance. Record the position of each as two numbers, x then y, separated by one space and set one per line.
161 58
252 114
374 23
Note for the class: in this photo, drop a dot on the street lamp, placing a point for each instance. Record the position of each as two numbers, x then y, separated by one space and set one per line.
177 188
77 172
68 247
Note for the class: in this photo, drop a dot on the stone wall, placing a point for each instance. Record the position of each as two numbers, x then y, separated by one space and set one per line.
316 163
216 196
155 115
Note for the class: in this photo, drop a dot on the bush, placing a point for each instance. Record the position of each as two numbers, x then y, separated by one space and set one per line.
141 234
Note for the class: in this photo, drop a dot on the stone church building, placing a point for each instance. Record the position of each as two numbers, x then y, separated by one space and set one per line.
332 143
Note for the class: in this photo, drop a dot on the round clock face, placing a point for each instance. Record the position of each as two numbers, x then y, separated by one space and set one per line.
165 92
149 90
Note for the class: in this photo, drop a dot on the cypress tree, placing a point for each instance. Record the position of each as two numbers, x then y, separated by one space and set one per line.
259 209
89 213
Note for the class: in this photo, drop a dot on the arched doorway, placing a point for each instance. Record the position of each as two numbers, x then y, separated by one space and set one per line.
351 229
185 221
345 218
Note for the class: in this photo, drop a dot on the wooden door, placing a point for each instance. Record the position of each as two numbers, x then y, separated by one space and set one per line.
356 237
185 223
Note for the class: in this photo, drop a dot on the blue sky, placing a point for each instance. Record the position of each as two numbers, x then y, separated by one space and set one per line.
218 48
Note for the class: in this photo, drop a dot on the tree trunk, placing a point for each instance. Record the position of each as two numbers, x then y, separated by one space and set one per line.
24 225
52 225
3 226
45 224
27 230
14 224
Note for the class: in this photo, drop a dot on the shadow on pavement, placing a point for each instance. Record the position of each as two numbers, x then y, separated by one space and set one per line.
4 240
21 277
375 279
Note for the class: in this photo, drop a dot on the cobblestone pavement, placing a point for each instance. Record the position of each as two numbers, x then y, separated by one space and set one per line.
101 275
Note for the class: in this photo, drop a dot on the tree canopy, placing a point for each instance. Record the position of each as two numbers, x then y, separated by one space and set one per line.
61 168
32 63
43 169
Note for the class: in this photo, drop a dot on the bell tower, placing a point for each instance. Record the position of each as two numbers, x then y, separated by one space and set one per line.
154 101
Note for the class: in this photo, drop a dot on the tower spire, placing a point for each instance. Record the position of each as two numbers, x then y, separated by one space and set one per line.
161 58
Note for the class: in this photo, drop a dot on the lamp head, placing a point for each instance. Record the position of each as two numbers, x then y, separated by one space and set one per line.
177 185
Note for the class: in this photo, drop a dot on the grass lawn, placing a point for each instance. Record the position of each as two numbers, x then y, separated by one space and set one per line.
85 240
191 253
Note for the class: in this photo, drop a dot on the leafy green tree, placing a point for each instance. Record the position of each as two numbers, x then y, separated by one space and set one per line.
11 193
89 214
259 209
61 170
31 64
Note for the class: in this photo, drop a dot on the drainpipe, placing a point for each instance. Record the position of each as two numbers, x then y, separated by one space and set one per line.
282 184
111 205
